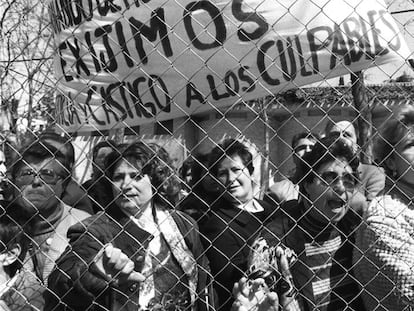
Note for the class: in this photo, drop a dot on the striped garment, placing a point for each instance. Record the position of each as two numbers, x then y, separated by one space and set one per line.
322 273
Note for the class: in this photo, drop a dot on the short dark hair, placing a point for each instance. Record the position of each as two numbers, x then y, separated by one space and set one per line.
200 170
156 163
303 135
230 147
15 228
63 144
326 150
103 144
40 151
331 123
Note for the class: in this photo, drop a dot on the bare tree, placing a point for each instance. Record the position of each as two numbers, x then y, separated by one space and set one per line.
26 63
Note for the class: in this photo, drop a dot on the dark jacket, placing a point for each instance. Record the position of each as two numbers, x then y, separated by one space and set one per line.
75 196
227 236
323 273
77 283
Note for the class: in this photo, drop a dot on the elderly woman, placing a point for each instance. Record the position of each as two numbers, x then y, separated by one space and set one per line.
319 229
384 255
139 254
235 219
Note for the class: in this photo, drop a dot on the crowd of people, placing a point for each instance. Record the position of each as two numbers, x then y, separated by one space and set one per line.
337 234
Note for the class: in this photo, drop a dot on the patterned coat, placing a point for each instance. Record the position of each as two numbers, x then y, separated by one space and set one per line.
77 284
384 255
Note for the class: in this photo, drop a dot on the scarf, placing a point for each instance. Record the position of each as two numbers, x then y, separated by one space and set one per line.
179 250
46 225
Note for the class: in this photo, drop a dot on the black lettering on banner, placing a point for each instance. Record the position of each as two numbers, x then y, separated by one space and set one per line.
81 13
252 16
150 109
378 49
108 112
355 40
63 63
157 25
261 64
213 89
397 45
104 6
133 88
367 44
288 76
217 19
73 113
68 112
157 81
192 93
84 109
109 100
246 78
339 48
92 90
95 58
114 106
67 12
110 65
122 90
123 45
79 63
61 108
230 75
136 3
302 62
316 46
54 17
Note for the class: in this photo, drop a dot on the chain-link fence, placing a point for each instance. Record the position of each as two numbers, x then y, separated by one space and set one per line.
213 143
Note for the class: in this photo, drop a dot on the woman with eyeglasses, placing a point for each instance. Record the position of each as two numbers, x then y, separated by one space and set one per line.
140 253
235 216
319 229
384 251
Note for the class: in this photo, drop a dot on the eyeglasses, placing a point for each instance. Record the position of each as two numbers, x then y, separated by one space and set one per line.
331 178
303 147
27 177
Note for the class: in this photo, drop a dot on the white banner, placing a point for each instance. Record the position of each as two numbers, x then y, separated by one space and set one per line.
128 62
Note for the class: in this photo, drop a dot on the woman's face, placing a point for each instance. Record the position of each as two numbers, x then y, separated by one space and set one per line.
236 179
330 190
402 160
131 189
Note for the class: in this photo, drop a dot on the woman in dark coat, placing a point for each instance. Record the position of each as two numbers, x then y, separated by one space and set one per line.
139 254
235 220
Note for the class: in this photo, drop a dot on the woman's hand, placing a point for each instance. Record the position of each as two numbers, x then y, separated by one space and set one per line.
254 295
117 266
287 295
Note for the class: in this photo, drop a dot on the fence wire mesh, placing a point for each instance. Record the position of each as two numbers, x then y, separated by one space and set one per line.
156 153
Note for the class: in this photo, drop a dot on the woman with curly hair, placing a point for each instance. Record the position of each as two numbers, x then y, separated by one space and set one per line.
140 254
384 253
319 229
